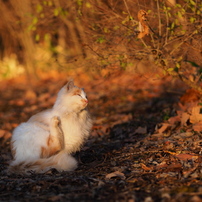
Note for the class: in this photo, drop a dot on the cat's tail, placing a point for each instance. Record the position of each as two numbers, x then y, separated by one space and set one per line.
61 162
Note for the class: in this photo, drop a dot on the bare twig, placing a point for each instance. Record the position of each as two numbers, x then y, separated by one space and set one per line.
128 10
159 17
180 44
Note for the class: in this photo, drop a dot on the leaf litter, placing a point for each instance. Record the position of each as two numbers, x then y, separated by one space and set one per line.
133 154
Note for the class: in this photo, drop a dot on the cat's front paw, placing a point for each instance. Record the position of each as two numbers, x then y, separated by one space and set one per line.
55 121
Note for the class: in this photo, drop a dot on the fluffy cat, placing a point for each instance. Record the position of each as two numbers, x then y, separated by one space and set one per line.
48 138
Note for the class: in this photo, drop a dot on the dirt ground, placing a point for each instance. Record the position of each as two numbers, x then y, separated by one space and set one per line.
135 152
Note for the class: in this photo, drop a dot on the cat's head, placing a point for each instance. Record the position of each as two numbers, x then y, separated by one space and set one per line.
71 98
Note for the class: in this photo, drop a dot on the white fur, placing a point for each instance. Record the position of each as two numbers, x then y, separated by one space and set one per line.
29 137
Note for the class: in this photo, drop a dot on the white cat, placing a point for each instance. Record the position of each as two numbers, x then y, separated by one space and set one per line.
48 138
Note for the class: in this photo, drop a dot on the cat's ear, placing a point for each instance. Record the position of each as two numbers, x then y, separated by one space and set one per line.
70 85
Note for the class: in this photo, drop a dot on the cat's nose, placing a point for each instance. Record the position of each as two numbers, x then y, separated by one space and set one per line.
85 100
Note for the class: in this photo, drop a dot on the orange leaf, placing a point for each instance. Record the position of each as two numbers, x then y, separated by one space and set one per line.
197 126
161 165
142 15
5 134
191 95
196 116
164 127
2 133
30 95
144 167
186 157
174 120
143 28
185 118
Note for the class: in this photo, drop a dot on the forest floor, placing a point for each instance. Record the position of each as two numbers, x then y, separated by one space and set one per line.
145 143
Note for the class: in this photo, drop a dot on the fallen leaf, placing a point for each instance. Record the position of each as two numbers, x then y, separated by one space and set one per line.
195 198
185 118
161 165
182 107
173 167
186 173
43 97
164 127
115 174
2 133
186 134
5 134
197 126
144 167
174 119
141 130
196 116
186 157
30 95
191 95
168 145
18 102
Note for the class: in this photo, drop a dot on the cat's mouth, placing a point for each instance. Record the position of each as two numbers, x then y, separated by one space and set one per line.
85 102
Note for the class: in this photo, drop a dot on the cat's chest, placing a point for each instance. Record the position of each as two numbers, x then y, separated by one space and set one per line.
71 125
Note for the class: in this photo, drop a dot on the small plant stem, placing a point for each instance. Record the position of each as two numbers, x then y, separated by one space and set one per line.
167 24
180 44
144 43
128 10
159 17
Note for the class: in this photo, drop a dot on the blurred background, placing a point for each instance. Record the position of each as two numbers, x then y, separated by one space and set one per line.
99 36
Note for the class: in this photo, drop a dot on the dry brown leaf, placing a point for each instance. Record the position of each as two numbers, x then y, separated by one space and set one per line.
115 174
186 157
181 107
191 95
5 134
161 165
186 173
185 117
18 102
164 127
143 28
43 97
196 116
186 134
168 145
141 130
173 167
30 95
2 132
197 126
174 119
190 106
187 107
195 198
144 167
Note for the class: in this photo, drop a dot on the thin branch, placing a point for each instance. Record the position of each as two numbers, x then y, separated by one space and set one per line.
180 44
159 17
167 25
128 10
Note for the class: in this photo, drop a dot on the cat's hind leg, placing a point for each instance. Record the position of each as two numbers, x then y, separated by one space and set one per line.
55 141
